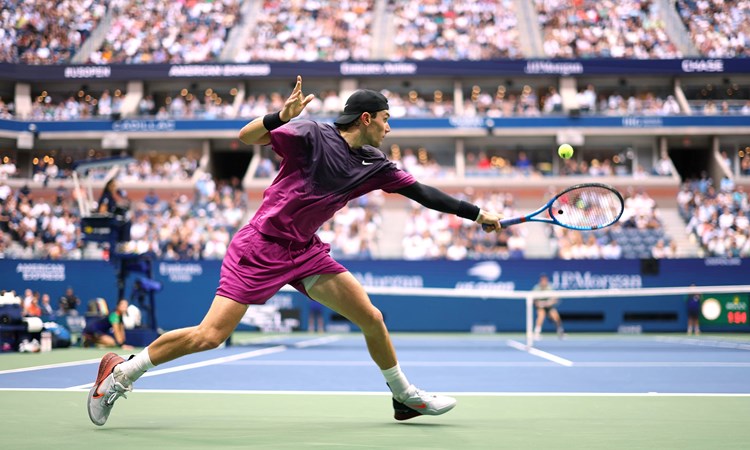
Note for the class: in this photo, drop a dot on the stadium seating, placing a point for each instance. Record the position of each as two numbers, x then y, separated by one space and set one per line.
610 29
718 28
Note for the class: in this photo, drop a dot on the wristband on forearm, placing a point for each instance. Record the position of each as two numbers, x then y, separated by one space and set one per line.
272 121
469 211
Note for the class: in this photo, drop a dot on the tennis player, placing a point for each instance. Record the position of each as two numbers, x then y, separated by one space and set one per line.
546 307
323 168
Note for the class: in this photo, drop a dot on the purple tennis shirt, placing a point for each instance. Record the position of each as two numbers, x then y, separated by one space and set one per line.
319 174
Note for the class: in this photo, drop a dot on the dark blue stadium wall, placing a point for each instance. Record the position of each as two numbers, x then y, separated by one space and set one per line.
188 288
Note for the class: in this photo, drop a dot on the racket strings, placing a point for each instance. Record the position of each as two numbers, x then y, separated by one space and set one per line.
587 207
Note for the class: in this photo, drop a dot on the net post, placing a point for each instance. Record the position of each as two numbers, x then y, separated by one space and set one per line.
529 321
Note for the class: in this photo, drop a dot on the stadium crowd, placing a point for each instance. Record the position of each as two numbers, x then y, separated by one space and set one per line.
286 30
175 228
151 31
355 231
638 234
604 29
46 31
455 30
491 102
430 234
147 166
719 28
718 216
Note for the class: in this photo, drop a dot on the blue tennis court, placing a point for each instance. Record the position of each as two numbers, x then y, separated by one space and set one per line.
446 363
322 391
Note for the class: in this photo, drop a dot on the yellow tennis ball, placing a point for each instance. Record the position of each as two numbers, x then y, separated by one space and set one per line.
565 151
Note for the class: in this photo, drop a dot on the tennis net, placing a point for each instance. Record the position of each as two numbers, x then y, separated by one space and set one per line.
725 304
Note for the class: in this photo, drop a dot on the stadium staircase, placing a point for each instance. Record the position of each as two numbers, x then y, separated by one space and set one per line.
674 227
528 27
249 12
382 28
96 39
675 28
539 245
391 234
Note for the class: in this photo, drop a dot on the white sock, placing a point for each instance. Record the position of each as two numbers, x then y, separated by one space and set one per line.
396 380
135 367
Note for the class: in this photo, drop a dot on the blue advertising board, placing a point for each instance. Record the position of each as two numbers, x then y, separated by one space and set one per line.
428 68
189 287
164 127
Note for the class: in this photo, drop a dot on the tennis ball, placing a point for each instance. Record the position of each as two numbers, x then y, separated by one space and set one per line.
565 151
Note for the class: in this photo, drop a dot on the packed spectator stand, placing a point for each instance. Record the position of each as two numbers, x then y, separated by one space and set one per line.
604 29
287 30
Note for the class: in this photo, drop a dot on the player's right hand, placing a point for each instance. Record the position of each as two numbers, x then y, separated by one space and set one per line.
295 103
490 221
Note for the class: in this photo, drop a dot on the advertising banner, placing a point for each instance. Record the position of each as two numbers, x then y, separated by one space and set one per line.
188 288
432 68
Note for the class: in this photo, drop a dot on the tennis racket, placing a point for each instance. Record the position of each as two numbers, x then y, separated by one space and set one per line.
587 206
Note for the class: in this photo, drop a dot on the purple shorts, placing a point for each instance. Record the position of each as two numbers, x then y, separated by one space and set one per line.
256 266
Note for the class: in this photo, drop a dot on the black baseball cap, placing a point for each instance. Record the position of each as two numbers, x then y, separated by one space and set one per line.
363 100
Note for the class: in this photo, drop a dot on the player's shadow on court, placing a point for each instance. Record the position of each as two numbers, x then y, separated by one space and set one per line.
423 424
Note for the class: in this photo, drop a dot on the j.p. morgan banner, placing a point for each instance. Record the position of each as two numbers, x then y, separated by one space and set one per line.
557 67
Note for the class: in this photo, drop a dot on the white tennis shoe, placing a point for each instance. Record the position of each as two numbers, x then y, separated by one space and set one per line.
106 390
416 402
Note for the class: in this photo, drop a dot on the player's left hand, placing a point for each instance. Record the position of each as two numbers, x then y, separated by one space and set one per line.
295 103
490 221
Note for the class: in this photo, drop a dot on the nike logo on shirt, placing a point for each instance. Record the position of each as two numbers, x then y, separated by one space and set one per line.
365 163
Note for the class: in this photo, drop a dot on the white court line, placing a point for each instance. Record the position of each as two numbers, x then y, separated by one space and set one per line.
542 354
51 366
226 359
383 394
96 360
593 364
703 342
318 341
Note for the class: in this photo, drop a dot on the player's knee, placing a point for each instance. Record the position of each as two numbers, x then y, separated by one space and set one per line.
372 319
208 339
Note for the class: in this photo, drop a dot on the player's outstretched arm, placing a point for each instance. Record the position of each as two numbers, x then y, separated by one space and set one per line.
438 200
257 131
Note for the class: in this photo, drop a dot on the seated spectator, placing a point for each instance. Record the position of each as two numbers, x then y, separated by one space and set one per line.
660 250
7 168
112 199
611 250
31 306
68 303
48 314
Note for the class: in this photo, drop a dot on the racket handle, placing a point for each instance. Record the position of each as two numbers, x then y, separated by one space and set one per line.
504 223
512 221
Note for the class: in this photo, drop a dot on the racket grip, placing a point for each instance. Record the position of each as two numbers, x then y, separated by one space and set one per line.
512 221
504 223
